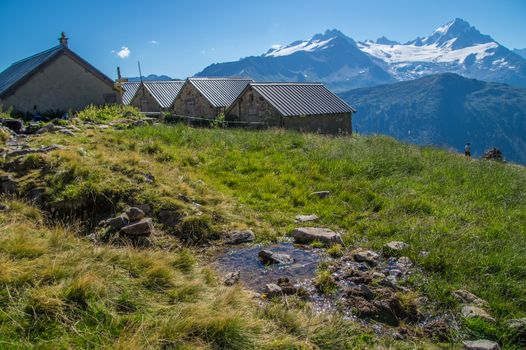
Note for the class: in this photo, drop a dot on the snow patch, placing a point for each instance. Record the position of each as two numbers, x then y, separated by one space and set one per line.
308 46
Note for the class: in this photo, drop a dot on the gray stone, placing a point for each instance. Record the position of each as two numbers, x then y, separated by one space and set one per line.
365 255
396 246
231 278
481 344
13 124
145 208
22 152
118 222
321 194
51 128
517 324
466 297
272 290
238 237
134 214
306 218
470 311
270 257
305 235
140 228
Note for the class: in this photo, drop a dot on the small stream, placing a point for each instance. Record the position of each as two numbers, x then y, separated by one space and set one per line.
255 275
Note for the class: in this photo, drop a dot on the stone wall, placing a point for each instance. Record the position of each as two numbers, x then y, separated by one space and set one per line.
191 103
144 101
252 107
62 85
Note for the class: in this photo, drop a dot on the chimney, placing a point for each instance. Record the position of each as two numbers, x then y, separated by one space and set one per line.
63 40
119 73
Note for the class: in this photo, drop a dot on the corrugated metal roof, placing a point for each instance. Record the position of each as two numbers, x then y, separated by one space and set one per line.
164 91
221 92
295 99
18 70
130 89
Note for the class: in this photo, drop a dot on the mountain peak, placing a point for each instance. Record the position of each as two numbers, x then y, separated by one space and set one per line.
328 34
384 41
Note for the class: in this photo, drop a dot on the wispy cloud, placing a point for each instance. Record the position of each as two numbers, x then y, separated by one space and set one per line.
153 42
123 53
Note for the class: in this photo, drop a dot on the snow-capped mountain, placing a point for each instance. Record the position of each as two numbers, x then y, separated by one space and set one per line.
341 63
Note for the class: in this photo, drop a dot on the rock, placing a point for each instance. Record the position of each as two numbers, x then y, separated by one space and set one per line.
286 286
517 324
470 311
306 218
15 125
141 241
4 207
53 128
142 227
270 257
145 208
231 278
438 329
365 255
272 290
238 237
8 185
305 235
424 253
36 195
169 217
481 344
466 297
118 222
321 194
134 214
394 247
22 152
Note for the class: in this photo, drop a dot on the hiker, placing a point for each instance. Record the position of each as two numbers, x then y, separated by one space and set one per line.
467 151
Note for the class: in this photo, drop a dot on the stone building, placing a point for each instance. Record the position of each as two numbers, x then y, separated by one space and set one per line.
299 106
54 80
207 97
155 96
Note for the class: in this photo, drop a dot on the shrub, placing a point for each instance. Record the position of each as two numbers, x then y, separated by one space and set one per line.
196 229
108 113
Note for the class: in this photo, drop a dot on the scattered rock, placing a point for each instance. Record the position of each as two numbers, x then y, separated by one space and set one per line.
481 344
365 255
470 311
306 218
231 278
134 214
305 235
54 128
118 222
22 152
273 290
466 297
238 237
321 194
140 228
270 257
394 247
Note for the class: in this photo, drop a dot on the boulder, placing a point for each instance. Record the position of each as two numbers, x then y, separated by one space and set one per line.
231 278
394 247
238 237
118 222
270 257
15 125
134 214
365 255
306 218
517 324
466 297
321 194
470 311
305 235
142 227
481 344
272 290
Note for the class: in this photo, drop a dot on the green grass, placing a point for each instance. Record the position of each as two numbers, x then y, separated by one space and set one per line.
469 215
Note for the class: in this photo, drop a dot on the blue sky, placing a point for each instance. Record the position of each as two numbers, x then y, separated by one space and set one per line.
180 38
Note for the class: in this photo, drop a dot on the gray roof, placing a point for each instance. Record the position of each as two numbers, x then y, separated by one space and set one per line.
296 99
130 89
221 92
164 91
18 70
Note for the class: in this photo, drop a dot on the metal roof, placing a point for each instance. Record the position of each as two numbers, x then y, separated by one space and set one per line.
18 70
295 99
221 92
130 89
164 91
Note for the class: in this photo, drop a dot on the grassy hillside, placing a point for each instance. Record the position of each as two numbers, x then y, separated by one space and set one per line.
446 110
59 290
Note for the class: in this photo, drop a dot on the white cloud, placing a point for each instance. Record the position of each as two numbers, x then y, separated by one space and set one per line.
153 42
123 53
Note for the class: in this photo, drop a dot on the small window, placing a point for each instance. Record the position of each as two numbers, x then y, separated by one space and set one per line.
251 98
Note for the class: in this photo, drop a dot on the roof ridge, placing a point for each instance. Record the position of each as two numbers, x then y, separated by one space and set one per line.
219 78
54 48
285 83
